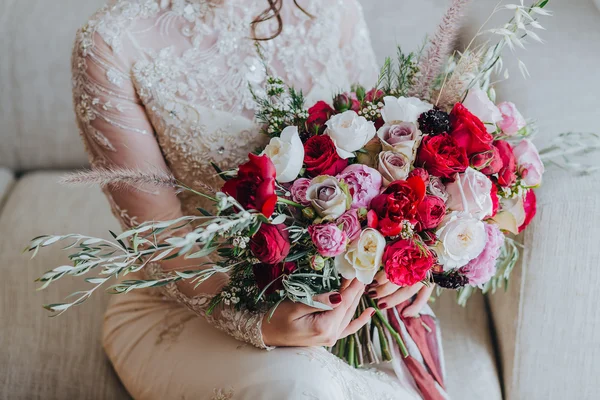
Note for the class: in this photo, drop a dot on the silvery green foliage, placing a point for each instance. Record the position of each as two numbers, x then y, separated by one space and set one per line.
572 151
110 259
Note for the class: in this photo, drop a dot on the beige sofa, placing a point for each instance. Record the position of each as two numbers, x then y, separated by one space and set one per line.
540 340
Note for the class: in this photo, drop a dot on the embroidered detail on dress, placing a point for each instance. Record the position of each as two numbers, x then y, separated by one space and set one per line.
222 394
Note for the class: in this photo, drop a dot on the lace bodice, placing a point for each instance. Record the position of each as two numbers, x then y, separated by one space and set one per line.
163 84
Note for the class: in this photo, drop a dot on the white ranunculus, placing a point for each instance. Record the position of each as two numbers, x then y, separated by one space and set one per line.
363 258
530 164
349 132
406 109
471 192
287 154
327 197
461 238
511 214
480 105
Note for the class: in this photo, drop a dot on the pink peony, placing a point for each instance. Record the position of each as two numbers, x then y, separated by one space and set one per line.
483 267
512 120
298 191
364 184
328 238
350 224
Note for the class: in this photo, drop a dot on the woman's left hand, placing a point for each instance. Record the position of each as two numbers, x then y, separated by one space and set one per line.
387 294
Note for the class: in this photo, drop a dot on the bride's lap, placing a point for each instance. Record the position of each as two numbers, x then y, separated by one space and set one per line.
160 350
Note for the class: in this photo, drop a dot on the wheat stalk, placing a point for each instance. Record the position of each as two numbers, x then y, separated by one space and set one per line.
440 46
119 178
454 88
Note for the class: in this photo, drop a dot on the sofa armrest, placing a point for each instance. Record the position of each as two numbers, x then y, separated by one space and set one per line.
547 323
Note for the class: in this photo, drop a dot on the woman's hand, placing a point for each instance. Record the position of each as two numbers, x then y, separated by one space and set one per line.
296 324
388 295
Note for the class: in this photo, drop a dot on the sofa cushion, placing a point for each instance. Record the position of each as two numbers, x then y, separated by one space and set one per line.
6 182
42 357
36 118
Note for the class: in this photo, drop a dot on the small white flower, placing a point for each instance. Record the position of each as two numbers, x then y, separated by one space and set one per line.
406 109
363 258
350 132
287 154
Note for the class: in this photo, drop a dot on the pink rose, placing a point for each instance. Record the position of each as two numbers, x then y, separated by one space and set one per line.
350 224
329 240
364 184
530 165
400 137
483 267
512 120
298 191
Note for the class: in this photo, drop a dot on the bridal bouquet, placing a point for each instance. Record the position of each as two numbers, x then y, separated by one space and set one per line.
423 176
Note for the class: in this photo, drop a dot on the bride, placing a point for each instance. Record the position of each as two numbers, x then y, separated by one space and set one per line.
163 84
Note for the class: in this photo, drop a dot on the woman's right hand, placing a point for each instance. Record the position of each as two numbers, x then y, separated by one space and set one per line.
296 324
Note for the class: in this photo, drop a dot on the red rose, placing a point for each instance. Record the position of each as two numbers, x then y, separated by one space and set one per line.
374 94
421 173
507 175
469 131
430 212
397 203
264 274
488 162
254 186
441 156
406 263
271 244
321 157
530 206
318 115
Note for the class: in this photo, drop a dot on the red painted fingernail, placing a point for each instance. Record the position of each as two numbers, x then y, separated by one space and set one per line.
372 293
372 313
374 282
335 298
382 305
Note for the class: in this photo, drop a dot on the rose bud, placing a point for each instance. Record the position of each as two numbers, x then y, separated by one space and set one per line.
421 173
308 213
317 262
346 101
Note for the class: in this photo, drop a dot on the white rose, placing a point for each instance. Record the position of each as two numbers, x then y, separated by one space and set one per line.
407 109
363 258
471 192
480 105
287 154
462 237
530 164
349 132
511 214
327 197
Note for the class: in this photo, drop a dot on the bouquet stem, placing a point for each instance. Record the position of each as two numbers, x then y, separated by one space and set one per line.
391 330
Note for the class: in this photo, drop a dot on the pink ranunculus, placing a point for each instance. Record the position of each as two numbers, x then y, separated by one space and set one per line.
298 191
364 184
512 120
430 212
329 240
483 267
350 224
530 165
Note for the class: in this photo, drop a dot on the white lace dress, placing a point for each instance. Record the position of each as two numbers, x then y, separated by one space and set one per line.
163 84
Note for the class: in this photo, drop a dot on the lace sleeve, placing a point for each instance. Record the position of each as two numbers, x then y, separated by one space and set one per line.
357 50
117 134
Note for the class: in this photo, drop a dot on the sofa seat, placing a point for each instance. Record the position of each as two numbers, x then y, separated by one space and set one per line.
62 357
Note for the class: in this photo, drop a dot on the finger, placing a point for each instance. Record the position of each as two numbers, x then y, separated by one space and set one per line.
422 298
346 283
380 278
350 298
358 323
331 299
383 290
350 313
399 296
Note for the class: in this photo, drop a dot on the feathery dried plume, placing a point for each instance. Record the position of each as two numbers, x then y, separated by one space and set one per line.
439 49
453 90
119 178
